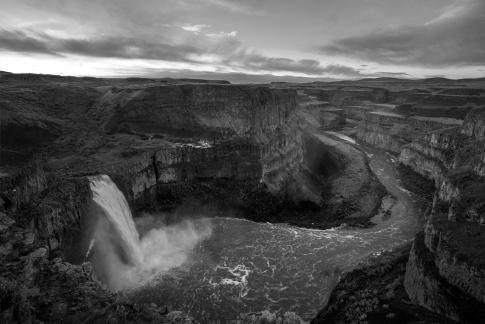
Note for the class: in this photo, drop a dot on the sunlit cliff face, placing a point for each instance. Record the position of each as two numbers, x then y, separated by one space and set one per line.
244 41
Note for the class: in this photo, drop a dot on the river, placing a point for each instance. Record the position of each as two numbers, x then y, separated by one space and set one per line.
248 267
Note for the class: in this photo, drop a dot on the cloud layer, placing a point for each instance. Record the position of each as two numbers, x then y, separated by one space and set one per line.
221 49
253 37
455 37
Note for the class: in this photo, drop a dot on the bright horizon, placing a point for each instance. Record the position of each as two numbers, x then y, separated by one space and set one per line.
245 41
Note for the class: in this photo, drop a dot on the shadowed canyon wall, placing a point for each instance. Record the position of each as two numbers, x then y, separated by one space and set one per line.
437 131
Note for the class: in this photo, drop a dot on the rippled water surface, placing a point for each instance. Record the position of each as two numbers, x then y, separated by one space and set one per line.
246 266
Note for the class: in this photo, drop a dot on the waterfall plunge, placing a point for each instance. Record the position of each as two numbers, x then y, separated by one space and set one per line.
115 207
123 259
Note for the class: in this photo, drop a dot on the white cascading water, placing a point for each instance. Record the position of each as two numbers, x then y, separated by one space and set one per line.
121 257
115 207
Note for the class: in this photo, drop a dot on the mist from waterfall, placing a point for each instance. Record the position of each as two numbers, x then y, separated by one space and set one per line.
121 257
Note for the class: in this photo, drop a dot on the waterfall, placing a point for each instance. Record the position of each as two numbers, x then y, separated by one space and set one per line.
115 208
122 257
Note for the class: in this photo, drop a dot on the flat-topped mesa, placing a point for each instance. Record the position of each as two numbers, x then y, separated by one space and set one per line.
393 131
200 110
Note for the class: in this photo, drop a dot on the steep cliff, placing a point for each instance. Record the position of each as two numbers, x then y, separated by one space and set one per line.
444 272
161 142
447 260
187 133
391 131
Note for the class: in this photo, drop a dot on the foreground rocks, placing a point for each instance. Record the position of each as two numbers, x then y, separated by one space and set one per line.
374 293
36 286
426 284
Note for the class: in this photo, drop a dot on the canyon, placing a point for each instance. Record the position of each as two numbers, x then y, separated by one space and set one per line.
397 166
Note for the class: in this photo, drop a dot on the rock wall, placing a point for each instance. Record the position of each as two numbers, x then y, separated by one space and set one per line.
427 284
204 110
340 176
393 132
46 205
204 132
349 95
445 271
424 286
148 133
474 124
378 136
200 139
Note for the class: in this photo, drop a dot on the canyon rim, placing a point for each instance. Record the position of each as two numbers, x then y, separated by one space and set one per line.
242 161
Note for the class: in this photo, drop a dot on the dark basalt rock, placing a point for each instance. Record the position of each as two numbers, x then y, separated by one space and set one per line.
425 284
374 293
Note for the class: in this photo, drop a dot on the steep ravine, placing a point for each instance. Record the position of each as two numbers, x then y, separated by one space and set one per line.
222 140
444 271
236 147
242 151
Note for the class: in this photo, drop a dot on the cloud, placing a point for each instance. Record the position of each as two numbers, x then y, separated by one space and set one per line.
258 62
255 61
244 7
223 34
342 70
455 37
225 50
19 41
194 28
392 74
163 41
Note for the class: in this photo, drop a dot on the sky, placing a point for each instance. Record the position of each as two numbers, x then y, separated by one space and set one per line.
244 40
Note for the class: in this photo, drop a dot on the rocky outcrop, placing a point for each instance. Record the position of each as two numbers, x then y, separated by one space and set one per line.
331 118
349 95
208 111
23 130
445 272
426 285
204 132
34 288
380 137
392 132
453 158
147 133
340 174
374 293
428 166
458 263
474 124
